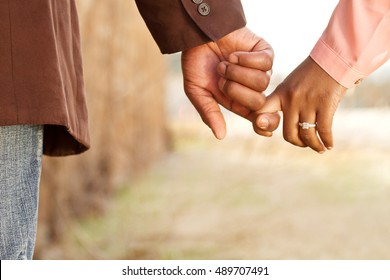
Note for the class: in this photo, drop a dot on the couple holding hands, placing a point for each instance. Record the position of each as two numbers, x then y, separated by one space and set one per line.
42 96
355 43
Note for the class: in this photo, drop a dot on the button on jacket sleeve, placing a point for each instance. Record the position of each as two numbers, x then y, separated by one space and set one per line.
356 41
178 25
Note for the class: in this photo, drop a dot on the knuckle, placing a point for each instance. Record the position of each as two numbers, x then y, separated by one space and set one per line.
306 138
290 138
258 102
266 60
231 72
263 82
324 131
229 87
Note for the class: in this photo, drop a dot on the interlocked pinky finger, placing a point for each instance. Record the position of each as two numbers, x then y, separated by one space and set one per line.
261 131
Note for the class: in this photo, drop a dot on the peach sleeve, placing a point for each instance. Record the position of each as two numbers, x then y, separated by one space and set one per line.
356 41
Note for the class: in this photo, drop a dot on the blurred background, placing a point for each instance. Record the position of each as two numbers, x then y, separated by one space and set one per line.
157 185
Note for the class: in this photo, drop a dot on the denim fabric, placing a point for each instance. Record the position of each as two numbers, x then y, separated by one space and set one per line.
20 170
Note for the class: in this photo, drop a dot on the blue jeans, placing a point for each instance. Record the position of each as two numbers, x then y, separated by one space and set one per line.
20 169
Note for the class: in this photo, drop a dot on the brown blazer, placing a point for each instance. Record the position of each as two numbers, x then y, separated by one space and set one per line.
41 73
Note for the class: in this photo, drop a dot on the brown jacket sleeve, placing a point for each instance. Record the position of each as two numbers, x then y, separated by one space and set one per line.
177 25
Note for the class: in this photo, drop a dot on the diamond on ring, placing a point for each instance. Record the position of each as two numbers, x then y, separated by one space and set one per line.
306 125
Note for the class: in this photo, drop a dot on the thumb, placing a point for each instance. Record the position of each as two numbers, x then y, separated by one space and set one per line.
268 118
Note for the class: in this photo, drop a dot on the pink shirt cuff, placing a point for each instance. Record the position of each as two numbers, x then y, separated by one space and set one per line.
356 41
335 65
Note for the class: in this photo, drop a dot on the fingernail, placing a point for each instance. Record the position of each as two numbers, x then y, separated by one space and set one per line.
263 123
221 83
221 69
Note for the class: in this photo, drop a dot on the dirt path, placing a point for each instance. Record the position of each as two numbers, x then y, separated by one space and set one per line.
252 198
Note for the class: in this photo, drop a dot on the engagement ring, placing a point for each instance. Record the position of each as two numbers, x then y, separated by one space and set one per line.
306 125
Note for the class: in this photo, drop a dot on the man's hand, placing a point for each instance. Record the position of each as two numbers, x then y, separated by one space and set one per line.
225 73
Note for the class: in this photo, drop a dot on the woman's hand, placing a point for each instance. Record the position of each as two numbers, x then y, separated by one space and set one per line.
308 95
